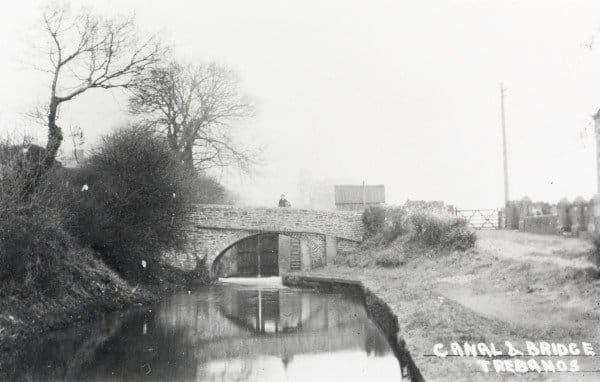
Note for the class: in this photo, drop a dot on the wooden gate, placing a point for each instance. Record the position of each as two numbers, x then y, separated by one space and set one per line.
481 219
258 255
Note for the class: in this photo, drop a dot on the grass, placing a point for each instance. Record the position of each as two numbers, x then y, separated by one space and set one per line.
538 301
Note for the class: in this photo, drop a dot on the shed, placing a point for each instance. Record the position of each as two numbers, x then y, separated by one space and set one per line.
353 197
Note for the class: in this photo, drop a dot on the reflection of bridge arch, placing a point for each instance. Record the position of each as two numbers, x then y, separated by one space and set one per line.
272 311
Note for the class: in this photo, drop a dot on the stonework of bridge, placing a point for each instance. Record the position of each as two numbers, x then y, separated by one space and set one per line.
215 228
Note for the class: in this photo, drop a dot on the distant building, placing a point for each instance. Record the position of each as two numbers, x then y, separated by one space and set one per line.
357 197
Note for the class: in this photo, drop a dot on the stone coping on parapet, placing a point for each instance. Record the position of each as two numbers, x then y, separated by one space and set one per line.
343 224
274 208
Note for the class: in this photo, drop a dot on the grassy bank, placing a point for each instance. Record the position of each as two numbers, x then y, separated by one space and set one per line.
483 295
75 243
447 285
89 289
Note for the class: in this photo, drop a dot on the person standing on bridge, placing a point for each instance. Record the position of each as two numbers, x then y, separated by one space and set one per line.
283 201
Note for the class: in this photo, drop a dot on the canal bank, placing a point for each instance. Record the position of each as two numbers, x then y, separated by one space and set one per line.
92 290
491 293
377 309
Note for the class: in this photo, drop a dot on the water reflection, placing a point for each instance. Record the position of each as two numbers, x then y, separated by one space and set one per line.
225 333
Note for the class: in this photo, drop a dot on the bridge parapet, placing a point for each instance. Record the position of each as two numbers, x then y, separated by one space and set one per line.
342 224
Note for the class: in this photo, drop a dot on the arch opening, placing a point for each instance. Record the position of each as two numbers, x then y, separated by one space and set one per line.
261 255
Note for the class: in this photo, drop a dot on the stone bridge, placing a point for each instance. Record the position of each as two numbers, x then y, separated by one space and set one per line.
216 228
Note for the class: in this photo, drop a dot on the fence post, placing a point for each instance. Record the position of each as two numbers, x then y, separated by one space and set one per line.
524 211
577 215
564 223
594 214
500 225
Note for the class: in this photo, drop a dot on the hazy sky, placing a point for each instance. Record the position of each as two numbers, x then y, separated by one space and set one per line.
399 93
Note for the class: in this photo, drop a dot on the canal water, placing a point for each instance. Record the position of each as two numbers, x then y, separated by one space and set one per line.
227 332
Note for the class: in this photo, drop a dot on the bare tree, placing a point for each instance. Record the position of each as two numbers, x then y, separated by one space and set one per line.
84 52
195 106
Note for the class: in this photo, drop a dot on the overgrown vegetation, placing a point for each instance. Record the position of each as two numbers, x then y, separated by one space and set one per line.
31 235
127 204
446 232
130 200
394 234
373 219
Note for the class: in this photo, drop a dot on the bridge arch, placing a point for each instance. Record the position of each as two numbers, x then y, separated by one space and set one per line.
215 228
311 246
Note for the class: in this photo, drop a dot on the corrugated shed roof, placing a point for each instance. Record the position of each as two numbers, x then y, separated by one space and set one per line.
353 194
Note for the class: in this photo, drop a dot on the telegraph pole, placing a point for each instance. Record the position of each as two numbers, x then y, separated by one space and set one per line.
502 93
364 195
597 136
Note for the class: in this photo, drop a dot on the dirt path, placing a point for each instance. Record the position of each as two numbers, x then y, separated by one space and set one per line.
536 287
521 246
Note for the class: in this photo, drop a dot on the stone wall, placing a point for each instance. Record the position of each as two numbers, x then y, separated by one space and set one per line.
342 224
564 217
543 224
346 246
185 259
317 251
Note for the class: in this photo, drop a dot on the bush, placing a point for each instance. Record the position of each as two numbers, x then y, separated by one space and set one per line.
32 239
389 258
448 232
135 200
428 229
373 219
458 235
385 226
396 224
130 200
30 243
404 235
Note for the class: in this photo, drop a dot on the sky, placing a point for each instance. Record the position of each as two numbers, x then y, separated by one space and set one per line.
400 93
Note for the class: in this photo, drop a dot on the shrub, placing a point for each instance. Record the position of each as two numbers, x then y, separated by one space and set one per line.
448 232
458 235
389 258
31 240
31 235
428 228
383 226
396 224
404 234
130 200
373 219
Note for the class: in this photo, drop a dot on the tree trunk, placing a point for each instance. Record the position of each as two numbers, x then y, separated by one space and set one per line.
55 137
187 157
